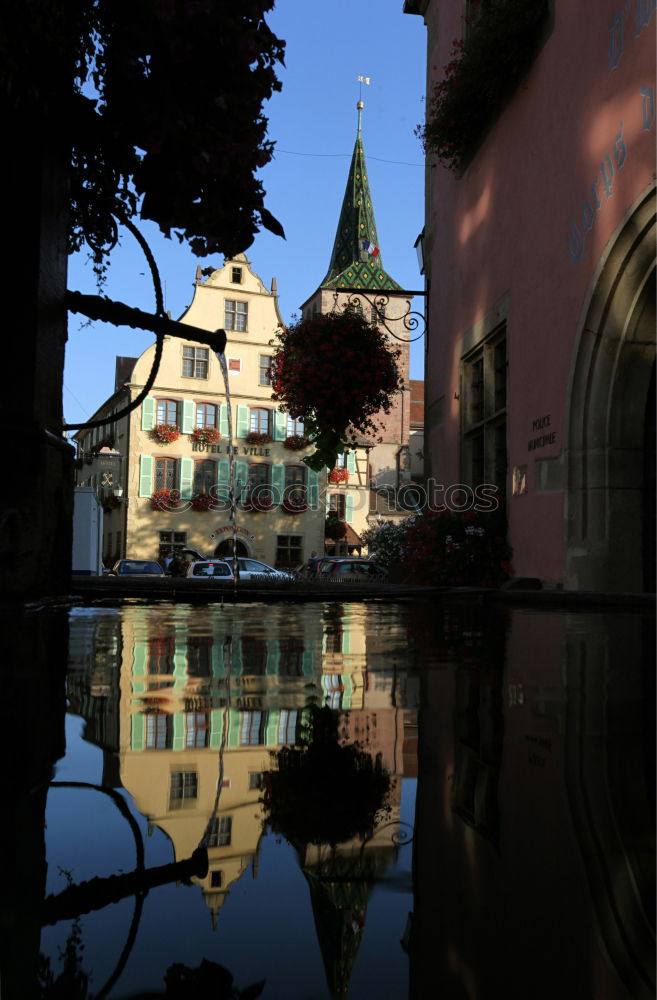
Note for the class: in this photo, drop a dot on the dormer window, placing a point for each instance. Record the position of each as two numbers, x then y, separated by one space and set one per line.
236 275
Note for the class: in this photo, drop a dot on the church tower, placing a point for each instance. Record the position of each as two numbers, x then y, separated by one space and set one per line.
356 276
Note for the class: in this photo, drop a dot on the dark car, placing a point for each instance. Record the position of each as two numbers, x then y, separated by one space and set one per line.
210 569
136 567
350 569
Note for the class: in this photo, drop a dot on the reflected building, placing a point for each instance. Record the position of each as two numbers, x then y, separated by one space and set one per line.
534 846
184 700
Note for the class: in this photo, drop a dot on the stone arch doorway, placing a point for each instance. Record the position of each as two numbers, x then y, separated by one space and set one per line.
609 462
225 548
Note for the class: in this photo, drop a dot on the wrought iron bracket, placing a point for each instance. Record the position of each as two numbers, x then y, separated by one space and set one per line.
378 301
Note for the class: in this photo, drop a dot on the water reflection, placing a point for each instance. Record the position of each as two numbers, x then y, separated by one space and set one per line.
531 736
188 706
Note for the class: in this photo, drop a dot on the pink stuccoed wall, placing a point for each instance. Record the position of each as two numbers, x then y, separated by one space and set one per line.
528 223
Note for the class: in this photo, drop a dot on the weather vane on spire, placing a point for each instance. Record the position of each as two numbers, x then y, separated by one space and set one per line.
362 80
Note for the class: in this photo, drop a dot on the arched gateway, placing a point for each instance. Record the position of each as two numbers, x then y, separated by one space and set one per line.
610 458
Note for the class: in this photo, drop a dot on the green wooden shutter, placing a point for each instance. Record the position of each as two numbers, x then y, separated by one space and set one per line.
242 422
223 420
145 475
178 731
241 480
216 726
187 416
273 656
351 461
313 489
137 735
186 477
271 728
223 478
349 508
277 483
148 414
280 425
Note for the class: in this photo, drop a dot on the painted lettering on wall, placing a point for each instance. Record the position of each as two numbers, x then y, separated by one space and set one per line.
219 449
600 191
542 440
636 14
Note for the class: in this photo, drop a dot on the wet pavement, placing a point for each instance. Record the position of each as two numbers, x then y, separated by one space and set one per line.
341 799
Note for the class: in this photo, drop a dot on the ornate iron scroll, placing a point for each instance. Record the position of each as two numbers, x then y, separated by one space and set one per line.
378 301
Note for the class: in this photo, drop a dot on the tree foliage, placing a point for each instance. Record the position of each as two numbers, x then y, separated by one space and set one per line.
160 104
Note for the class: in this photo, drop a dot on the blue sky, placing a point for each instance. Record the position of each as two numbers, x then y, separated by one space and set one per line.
313 123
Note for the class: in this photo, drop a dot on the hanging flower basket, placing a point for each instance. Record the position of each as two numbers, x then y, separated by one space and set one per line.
338 476
253 437
165 499
334 528
296 442
336 372
203 502
205 435
165 433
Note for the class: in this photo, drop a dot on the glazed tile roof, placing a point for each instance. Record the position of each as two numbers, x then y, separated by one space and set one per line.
350 266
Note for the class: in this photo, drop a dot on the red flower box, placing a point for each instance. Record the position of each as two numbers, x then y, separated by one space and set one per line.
205 435
165 433
338 476
165 499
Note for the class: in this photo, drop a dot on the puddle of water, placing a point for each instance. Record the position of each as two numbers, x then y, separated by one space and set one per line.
518 829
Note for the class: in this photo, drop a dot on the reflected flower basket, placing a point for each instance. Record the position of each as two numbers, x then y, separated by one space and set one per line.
338 476
165 433
165 500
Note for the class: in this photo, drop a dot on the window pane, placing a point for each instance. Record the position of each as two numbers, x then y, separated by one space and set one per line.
204 476
259 421
165 473
206 415
167 411
265 362
294 426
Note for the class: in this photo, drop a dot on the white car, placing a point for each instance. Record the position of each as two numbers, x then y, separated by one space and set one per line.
253 569
211 569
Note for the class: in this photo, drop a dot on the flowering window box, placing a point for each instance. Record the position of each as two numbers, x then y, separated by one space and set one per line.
291 506
165 499
202 502
205 435
254 437
296 442
257 505
165 433
338 476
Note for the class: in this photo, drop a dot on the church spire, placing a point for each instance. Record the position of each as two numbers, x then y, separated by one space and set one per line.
356 258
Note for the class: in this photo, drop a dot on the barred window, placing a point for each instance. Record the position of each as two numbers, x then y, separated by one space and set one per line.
236 315
195 361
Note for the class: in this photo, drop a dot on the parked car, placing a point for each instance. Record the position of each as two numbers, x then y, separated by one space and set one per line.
350 568
253 569
136 567
211 569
